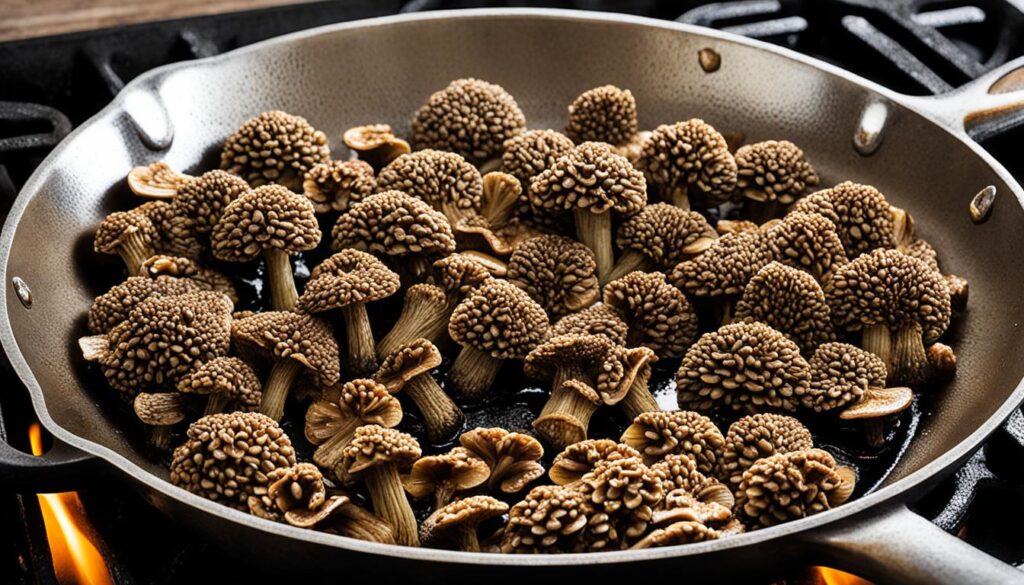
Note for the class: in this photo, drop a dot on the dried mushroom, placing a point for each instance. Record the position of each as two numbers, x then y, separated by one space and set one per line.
129 234
228 384
407 369
160 411
597 319
723 271
444 180
443 476
792 485
274 147
203 278
639 398
679 471
550 519
773 172
755 437
113 307
375 144
742 365
809 242
334 186
456 524
690 163
579 459
557 272
658 315
623 494
156 181
514 458
603 114
658 434
860 213
659 237
299 487
791 302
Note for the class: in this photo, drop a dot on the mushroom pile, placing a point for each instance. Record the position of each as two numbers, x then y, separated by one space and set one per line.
477 254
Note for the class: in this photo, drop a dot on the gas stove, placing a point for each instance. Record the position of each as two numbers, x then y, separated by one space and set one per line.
50 85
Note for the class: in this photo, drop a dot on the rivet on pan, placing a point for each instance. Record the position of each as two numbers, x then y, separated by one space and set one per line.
23 291
981 204
870 128
709 60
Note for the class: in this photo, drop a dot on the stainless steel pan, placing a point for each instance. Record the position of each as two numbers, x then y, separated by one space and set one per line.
916 150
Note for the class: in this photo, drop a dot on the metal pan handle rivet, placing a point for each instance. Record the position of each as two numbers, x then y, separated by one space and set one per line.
23 291
709 59
870 128
981 204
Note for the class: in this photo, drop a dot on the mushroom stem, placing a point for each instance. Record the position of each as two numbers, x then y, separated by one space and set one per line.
361 358
639 399
473 372
909 359
875 430
466 539
283 295
630 261
762 210
365 526
423 316
878 340
330 453
594 230
454 213
278 385
416 268
134 251
679 197
390 503
499 472
444 494
441 416
566 415
216 403
160 437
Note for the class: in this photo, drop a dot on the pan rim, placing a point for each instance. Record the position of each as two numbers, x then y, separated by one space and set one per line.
150 82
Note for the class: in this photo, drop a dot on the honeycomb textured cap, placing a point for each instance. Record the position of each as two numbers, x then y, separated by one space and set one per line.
164 337
665 233
118 226
887 287
594 355
299 487
597 319
758 436
162 266
924 252
659 434
626 492
499 318
790 301
392 223
442 179
603 114
533 152
369 402
229 458
578 459
590 177
550 519
679 471
413 359
840 376
860 213
375 445
789 486
459 274
459 467
774 170
657 314
470 117
725 268
557 272
336 185
228 376
690 153
682 532
268 217
272 147
807 241
203 198
742 365
287 335
114 306
347 278
463 514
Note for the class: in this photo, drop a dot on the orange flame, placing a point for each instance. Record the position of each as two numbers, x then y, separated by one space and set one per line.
76 560
828 576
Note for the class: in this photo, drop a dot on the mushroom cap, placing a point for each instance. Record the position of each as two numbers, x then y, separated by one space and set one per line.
682 532
791 485
229 376
268 217
550 519
437 177
682 505
757 436
597 319
807 241
300 486
924 252
375 137
286 335
594 355
840 376
690 153
392 223
742 365
532 152
117 226
790 301
657 434
349 277
458 467
160 408
500 319
658 315
157 180
203 199
679 471
773 170
725 267
862 216
374 445
273 145
229 457
363 400
163 337
590 177
459 274
413 359
880 402
114 306
470 117
186 268
626 491
603 114
557 272
887 287
464 514
578 459
176 232
666 234
495 444
336 185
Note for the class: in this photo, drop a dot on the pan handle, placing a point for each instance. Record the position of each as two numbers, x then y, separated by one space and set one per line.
894 545
62 468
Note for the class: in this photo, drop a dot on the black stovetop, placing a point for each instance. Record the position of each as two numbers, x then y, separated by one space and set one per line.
50 85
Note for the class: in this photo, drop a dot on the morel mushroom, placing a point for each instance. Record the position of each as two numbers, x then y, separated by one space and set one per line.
375 143
444 180
442 476
496 322
603 114
659 237
188 269
658 434
623 492
408 369
532 152
347 281
690 163
202 200
339 514
274 147
898 303
681 532
791 302
792 485
862 216
334 186
156 181
229 458
331 422
456 524
470 117
497 228
514 458
773 173
299 487
228 383
376 455
550 519
658 315
758 436
679 471
129 234
296 344
743 366
273 222
579 459
597 319
809 242
113 307
160 411
591 182
639 398
942 361
557 272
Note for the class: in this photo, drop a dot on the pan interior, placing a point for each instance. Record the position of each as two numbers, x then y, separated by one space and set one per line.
352 76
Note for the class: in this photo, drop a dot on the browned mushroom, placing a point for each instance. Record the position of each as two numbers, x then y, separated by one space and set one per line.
443 476
862 216
550 519
579 459
557 272
274 147
792 485
444 180
809 242
791 302
375 143
689 163
156 181
334 186
532 152
658 315
201 201
408 369
129 234
514 458
758 436
659 237
228 383
657 434
456 524
160 412
498 228
773 173
340 515
597 319
623 494
942 361
203 278
639 398
299 487
603 114
113 307
679 471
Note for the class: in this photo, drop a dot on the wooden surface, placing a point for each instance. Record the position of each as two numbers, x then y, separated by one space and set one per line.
35 18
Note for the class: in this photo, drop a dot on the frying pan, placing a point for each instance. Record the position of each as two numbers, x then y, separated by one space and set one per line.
918 151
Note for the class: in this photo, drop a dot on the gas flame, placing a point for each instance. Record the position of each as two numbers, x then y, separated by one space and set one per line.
827 576
76 560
